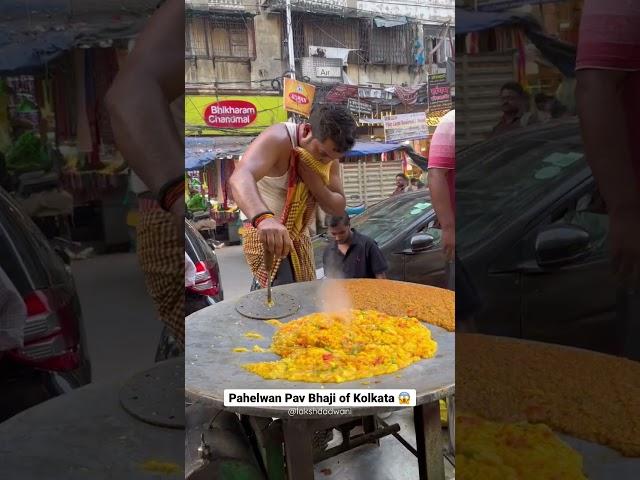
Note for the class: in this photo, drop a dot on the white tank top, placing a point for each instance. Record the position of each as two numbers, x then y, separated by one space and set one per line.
273 190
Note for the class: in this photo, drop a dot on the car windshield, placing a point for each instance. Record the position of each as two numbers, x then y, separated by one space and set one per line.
498 178
383 221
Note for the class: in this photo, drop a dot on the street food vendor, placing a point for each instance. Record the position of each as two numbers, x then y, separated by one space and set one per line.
285 173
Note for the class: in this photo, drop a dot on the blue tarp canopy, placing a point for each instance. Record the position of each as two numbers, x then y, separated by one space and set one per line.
468 22
561 54
361 149
34 33
200 151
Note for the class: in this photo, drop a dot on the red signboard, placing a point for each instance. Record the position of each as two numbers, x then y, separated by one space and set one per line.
230 114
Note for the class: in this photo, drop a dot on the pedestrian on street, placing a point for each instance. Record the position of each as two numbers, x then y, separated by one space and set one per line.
608 104
146 107
402 182
442 181
515 112
352 254
285 173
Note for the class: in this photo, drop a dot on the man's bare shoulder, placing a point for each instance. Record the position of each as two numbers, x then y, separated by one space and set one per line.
276 134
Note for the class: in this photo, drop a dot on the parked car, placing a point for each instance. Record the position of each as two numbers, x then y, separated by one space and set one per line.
206 291
208 287
532 232
54 358
404 226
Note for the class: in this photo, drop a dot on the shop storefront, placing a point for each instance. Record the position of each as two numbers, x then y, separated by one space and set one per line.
209 163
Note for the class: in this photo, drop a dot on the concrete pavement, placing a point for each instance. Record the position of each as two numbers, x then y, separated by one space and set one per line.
235 273
122 327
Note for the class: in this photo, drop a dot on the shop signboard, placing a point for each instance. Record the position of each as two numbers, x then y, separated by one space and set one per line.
231 115
439 92
434 117
298 97
366 92
359 107
408 126
328 72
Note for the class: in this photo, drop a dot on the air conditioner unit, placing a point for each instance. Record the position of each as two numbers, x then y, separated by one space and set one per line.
322 71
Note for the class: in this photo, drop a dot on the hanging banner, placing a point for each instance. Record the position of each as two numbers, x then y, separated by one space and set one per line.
439 92
408 126
298 96
367 92
231 115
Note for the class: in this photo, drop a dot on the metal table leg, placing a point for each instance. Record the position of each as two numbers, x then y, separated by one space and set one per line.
426 419
298 447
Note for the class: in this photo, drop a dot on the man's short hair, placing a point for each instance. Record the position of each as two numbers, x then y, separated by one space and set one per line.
336 123
513 87
336 220
402 175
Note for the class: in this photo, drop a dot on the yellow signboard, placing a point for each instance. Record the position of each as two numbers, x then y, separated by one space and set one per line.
231 114
433 118
298 96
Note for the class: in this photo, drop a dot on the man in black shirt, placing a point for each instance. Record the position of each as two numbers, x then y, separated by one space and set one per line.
352 254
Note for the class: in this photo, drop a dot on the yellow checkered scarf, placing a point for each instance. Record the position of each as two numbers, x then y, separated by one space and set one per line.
296 215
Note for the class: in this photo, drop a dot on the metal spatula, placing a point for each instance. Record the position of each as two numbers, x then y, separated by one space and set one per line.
268 265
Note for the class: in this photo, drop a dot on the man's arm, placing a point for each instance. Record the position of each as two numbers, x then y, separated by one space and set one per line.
261 156
441 199
330 197
139 100
377 262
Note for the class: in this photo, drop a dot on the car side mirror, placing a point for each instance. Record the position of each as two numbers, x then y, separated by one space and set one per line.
559 245
421 242
63 255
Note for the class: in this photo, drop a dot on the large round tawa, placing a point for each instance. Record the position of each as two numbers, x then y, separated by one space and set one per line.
211 366
156 396
255 305
87 435
604 463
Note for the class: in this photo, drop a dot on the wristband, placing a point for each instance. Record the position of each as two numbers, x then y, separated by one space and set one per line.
257 218
170 192
260 219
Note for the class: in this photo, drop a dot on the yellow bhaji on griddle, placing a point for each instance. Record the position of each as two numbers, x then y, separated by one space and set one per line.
488 450
343 346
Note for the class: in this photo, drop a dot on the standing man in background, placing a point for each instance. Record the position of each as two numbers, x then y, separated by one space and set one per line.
149 132
402 181
352 254
515 103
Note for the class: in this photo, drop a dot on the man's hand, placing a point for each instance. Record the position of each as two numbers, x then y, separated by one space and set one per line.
449 243
311 179
275 237
329 197
625 246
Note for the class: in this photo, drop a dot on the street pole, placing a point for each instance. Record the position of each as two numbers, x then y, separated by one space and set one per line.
292 60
